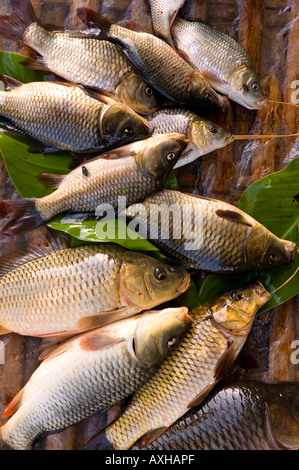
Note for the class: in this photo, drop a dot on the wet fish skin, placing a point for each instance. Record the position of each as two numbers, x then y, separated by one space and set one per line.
218 333
91 372
257 416
222 60
163 13
213 225
80 58
132 172
205 136
67 118
141 170
177 79
75 289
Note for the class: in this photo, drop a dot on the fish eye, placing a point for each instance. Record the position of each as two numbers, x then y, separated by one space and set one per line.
170 156
255 86
272 259
160 274
149 91
128 131
171 342
235 295
213 129
245 88
208 97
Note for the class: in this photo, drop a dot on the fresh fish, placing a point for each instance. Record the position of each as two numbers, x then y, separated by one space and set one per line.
91 372
133 171
78 59
204 135
65 117
217 334
177 79
201 230
223 61
242 416
163 13
76 289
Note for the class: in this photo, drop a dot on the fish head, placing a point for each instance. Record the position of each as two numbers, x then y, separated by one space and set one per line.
158 333
264 249
245 88
137 94
160 154
146 282
202 94
207 136
234 312
119 124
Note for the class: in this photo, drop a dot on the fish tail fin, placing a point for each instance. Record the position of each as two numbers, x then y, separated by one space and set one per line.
93 19
98 442
18 216
14 25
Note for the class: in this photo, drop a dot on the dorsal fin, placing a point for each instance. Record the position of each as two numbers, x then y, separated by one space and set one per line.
24 255
91 18
152 435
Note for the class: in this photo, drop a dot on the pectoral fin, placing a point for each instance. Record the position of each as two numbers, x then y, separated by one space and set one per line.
51 181
100 319
233 216
216 82
201 396
94 342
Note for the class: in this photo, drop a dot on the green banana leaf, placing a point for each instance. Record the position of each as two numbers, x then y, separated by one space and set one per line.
272 202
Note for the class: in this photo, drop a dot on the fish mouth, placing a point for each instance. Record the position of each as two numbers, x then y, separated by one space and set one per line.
290 251
261 102
185 284
261 292
229 138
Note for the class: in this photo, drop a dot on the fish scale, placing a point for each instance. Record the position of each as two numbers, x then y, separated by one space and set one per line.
223 61
80 60
55 113
78 378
